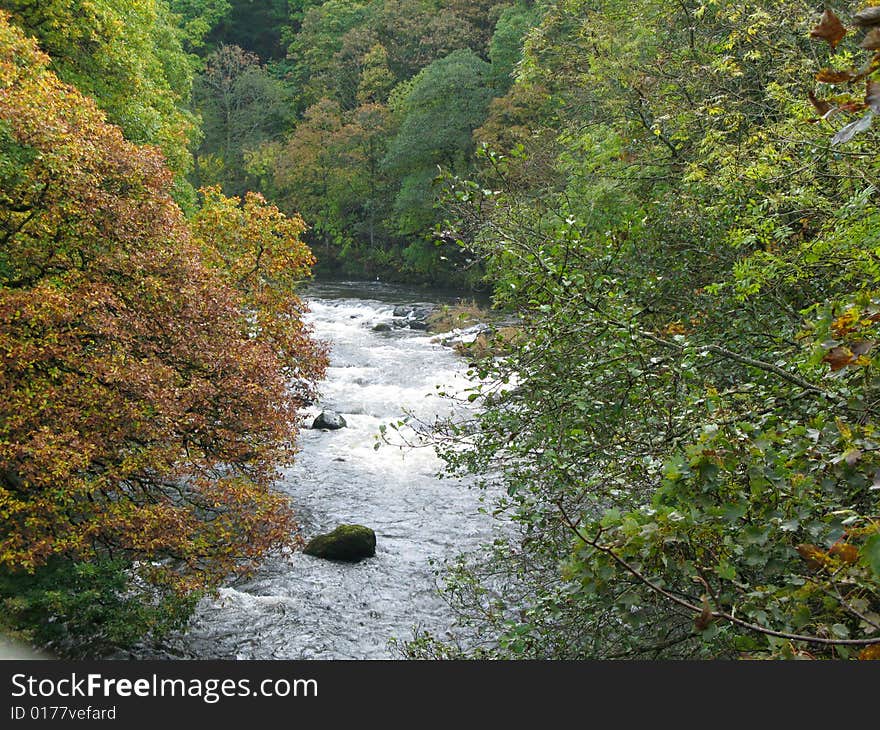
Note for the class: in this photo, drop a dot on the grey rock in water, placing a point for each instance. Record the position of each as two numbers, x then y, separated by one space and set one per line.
330 420
463 336
382 327
413 317
349 543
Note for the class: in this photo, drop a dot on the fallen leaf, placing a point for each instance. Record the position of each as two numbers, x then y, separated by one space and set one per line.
814 557
830 76
843 325
871 42
703 621
852 107
867 17
839 357
820 105
847 553
829 29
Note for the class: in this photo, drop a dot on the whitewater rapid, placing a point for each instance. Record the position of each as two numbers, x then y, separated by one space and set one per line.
300 607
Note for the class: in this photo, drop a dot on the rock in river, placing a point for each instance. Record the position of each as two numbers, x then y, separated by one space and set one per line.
350 543
330 420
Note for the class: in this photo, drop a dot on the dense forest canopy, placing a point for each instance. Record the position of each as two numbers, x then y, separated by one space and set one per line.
152 367
678 200
349 121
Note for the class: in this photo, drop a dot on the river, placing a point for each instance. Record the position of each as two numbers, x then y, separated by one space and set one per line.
300 607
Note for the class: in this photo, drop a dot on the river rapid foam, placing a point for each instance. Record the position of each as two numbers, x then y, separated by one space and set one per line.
300 607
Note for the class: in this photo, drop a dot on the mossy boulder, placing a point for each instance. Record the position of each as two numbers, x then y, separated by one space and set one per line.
349 543
329 420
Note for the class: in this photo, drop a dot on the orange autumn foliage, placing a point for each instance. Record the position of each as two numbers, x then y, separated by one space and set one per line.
145 399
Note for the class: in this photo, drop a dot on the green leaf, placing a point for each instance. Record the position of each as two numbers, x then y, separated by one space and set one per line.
725 570
611 517
871 553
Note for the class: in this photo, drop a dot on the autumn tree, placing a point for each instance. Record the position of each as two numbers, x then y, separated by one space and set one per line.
308 167
127 55
144 412
331 169
259 253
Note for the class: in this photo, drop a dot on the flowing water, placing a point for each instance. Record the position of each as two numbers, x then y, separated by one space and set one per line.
300 607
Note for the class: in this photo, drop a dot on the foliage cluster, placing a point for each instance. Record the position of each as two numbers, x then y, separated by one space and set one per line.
351 125
680 200
151 371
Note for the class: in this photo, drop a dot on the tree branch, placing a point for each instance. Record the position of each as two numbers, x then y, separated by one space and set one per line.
698 609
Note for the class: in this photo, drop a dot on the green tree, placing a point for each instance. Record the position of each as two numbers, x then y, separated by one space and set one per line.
363 56
127 55
242 106
685 430
505 48
418 32
438 110
197 18
313 49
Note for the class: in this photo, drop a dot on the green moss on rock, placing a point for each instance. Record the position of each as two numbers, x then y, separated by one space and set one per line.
350 543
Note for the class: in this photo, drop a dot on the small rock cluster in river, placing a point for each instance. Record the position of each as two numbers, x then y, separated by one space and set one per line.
349 543
329 420
411 317
462 336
